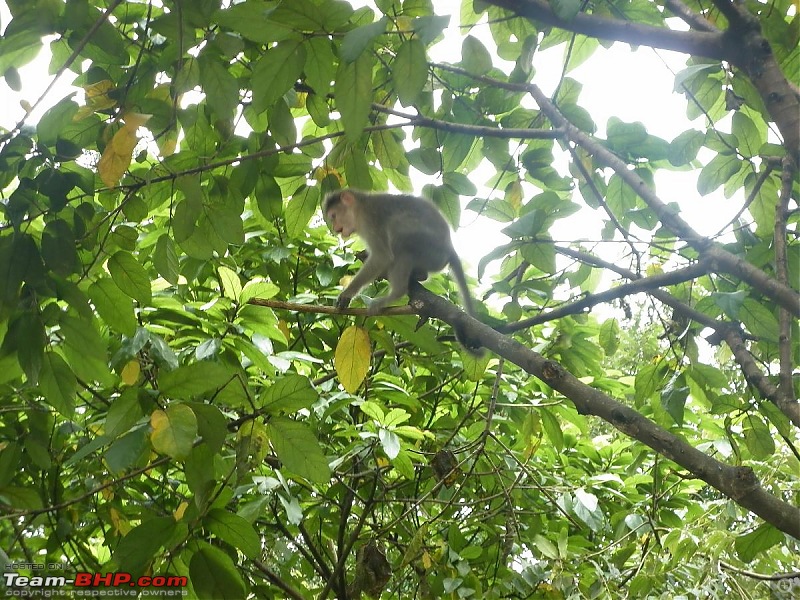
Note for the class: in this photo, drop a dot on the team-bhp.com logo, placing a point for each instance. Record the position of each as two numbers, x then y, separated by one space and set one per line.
786 588
92 585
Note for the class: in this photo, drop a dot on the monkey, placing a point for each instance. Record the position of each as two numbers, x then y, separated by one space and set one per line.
407 238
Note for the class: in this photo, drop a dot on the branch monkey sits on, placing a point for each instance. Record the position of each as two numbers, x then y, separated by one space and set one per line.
406 237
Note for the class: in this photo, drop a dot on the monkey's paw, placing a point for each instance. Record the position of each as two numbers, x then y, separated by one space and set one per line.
343 302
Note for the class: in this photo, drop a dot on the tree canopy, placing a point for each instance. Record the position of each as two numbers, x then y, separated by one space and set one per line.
179 395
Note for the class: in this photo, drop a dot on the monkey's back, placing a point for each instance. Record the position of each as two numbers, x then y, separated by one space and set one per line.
412 227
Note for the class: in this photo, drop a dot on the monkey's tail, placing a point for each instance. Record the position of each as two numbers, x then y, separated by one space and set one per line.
461 280
471 346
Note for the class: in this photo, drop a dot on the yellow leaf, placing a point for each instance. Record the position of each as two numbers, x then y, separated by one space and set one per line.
168 143
351 360
514 194
284 327
97 96
135 120
117 156
159 420
130 372
121 525
178 513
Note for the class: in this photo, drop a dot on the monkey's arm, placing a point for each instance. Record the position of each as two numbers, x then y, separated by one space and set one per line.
369 271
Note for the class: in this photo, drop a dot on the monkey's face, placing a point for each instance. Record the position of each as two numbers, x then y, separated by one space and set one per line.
342 220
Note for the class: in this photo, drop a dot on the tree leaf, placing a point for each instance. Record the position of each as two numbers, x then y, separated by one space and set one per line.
195 379
234 530
353 89
288 394
130 276
352 357
215 576
58 384
355 42
114 307
409 71
298 449
174 431
475 58
299 210
276 72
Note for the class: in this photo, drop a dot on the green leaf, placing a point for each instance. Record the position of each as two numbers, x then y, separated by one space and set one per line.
276 72
215 576
124 413
130 276
258 289
58 384
165 259
475 58
221 88
758 541
298 449
541 254
609 336
58 248
353 89
226 221
320 66
552 428
757 438
621 136
250 19
430 27
674 396
311 15
231 285
759 320
355 42
127 451
140 546
730 303
195 379
648 380
288 394
174 431
234 530
300 209
409 71
718 171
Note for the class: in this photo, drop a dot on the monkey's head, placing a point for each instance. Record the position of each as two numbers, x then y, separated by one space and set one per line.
340 213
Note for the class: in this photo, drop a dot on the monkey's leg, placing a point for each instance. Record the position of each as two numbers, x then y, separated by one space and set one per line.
369 271
398 275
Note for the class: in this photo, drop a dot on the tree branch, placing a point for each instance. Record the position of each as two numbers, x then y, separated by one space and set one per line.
737 483
474 130
704 43
644 284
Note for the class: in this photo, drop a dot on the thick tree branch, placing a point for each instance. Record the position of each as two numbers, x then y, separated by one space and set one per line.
730 332
722 259
742 44
785 383
737 483
703 43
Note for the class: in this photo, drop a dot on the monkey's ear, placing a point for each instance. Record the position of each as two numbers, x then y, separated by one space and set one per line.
348 198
